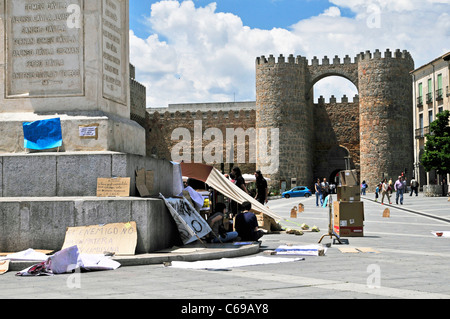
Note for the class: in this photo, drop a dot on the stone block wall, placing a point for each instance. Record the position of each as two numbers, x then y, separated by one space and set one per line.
161 139
336 126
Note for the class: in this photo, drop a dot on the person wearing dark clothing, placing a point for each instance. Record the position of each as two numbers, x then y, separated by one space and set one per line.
215 221
261 188
246 224
240 182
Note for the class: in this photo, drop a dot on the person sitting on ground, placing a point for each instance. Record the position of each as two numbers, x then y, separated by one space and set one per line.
215 221
246 224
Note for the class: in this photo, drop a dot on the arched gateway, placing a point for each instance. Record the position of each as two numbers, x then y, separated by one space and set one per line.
377 133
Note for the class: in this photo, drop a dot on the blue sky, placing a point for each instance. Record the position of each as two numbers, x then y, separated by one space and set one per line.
262 14
198 51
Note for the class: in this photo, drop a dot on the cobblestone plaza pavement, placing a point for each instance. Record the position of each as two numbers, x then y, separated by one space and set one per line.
410 262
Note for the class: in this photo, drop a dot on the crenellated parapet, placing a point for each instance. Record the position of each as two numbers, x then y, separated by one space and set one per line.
271 60
333 100
219 116
388 54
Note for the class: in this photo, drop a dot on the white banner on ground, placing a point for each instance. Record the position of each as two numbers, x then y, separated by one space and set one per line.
189 222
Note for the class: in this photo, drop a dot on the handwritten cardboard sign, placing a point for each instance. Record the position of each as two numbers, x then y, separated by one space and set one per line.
119 238
113 187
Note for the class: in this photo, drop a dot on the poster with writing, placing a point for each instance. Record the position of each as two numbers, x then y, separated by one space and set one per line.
118 238
189 222
113 187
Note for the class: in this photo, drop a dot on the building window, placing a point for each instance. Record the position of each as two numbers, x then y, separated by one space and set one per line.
439 91
420 97
430 92
419 131
430 117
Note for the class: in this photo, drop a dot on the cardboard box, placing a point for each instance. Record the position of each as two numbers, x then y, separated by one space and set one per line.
349 178
265 222
348 219
348 193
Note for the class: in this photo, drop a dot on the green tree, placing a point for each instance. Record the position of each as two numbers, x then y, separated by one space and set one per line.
437 148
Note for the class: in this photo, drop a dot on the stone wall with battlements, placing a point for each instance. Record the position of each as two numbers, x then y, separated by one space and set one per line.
336 134
336 128
374 131
162 123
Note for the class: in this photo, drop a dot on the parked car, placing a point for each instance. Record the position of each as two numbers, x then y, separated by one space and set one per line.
298 191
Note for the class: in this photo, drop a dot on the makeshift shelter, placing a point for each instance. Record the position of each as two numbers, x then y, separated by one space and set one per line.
216 180
251 178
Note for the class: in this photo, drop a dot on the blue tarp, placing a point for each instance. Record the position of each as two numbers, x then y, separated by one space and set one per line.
42 135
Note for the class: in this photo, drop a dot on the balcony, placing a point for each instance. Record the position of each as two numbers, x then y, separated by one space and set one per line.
429 98
421 132
439 95
419 101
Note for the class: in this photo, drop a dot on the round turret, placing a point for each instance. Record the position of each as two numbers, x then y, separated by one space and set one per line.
386 119
281 107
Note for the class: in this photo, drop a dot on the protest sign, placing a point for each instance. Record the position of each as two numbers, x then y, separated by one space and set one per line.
113 187
189 222
118 238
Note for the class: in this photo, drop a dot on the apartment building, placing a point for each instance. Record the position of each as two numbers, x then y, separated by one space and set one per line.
431 96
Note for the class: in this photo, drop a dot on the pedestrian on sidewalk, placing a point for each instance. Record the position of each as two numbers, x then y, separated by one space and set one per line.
377 191
363 188
325 188
262 191
385 191
399 187
414 187
318 192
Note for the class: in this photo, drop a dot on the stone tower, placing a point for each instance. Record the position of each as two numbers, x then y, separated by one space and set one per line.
281 104
284 100
386 120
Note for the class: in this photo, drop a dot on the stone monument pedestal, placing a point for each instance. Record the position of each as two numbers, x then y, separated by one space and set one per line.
70 60
112 133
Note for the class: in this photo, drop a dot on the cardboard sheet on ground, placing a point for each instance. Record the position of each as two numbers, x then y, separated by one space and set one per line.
220 183
226 263
301 250
357 250
119 238
189 222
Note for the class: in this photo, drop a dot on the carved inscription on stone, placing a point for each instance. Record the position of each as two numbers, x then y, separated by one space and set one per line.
114 64
45 41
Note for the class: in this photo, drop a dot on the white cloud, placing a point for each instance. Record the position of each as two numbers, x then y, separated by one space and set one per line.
332 12
197 54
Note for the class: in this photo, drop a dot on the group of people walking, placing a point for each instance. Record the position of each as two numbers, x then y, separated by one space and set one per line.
387 187
321 189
